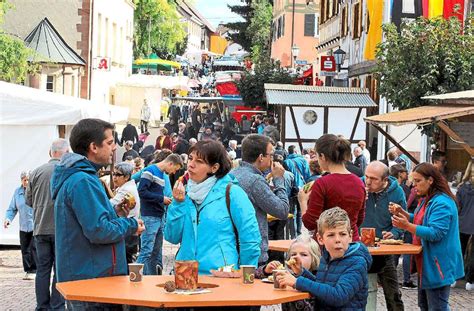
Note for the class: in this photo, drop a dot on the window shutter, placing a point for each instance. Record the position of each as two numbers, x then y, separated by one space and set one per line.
309 25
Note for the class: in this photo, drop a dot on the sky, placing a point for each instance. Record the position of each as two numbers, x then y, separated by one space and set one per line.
216 11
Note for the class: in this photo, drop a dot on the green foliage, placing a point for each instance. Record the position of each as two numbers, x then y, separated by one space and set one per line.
157 29
14 65
260 29
428 56
251 86
238 30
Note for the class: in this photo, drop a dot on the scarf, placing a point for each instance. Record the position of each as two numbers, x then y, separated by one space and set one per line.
199 191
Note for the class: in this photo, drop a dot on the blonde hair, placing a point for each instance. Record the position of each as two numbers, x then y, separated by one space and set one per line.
313 247
332 218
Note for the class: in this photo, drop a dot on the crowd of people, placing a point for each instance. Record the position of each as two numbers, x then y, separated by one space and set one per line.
213 197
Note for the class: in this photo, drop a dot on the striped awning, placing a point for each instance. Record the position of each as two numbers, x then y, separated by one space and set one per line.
318 96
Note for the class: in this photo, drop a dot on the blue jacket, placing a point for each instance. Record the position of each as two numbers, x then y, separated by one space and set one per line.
377 214
439 234
17 204
342 283
211 240
89 234
167 191
299 167
151 192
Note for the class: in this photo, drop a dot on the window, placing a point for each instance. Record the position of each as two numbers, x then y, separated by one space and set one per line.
344 18
322 9
356 20
334 7
50 83
316 25
99 34
309 25
282 25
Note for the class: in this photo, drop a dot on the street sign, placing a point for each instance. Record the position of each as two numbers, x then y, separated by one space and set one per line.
328 64
301 62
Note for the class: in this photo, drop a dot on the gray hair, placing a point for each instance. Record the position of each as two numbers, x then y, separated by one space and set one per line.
129 143
24 174
192 140
60 145
233 142
126 168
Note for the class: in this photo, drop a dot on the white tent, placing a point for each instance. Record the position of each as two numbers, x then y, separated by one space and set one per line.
29 120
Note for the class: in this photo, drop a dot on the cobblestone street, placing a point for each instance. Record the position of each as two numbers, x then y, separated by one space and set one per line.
18 294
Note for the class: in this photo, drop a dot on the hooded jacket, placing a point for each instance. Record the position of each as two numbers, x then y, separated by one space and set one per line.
341 283
205 231
439 234
377 214
299 167
89 234
465 197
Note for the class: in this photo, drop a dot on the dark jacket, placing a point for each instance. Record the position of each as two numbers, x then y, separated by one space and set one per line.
342 283
151 191
129 133
181 147
361 163
90 237
131 153
465 197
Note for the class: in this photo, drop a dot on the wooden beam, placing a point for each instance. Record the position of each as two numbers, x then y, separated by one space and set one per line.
297 131
326 118
394 141
283 125
354 128
443 126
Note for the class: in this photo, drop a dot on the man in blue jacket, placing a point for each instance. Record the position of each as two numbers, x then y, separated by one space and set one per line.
384 189
89 233
153 200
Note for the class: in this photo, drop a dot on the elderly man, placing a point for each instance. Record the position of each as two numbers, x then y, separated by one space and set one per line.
360 161
362 144
38 196
257 158
382 190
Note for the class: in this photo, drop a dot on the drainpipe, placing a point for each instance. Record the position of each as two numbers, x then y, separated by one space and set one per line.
91 18
292 32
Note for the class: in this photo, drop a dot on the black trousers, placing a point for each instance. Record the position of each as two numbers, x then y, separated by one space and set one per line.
131 248
28 251
468 256
386 271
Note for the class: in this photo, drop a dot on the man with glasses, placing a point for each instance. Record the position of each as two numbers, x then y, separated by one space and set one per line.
257 158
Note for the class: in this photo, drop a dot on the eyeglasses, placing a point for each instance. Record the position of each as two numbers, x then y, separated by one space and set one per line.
117 174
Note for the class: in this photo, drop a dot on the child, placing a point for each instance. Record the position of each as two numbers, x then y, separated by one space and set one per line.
341 281
304 250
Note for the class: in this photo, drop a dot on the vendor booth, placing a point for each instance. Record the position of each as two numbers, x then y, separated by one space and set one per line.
453 114
29 120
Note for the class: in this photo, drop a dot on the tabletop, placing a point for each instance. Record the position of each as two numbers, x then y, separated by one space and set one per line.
229 292
382 249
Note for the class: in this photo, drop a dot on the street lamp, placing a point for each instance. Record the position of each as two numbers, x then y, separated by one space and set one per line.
339 56
295 51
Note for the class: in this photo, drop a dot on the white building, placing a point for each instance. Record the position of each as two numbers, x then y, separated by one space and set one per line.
111 48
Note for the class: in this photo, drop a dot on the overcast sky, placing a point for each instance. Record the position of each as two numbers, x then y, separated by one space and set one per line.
216 11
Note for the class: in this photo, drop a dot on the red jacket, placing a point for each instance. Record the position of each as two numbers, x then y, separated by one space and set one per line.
165 145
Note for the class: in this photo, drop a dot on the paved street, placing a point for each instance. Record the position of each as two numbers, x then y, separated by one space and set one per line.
18 294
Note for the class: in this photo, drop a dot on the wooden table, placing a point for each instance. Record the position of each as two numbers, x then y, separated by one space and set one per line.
230 292
405 249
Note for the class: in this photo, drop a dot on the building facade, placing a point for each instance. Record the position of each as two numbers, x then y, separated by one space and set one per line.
295 22
94 30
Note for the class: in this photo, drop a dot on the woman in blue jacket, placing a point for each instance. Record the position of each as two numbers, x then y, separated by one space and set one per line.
435 226
199 218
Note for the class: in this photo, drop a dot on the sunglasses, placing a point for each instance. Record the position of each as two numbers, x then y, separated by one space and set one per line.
117 174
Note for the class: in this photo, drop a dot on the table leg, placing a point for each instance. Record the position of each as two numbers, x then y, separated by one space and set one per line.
372 299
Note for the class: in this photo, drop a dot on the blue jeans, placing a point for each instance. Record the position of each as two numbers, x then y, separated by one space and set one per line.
436 299
73 305
151 245
44 267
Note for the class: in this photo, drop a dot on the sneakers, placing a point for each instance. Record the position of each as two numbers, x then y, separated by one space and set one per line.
409 285
453 285
469 286
29 276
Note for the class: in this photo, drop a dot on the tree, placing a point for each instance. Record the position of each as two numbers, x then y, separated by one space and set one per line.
237 30
157 29
428 56
260 29
14 55
251 86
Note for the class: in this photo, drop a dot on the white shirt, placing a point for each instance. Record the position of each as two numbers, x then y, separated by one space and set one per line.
128 187
366 154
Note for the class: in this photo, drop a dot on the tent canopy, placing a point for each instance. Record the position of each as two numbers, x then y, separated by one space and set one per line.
154 60
21 105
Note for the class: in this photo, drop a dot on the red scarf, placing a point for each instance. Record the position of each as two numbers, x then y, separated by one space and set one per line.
418 220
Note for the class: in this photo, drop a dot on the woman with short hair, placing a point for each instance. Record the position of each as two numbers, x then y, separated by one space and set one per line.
212 219
435 226
126 188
